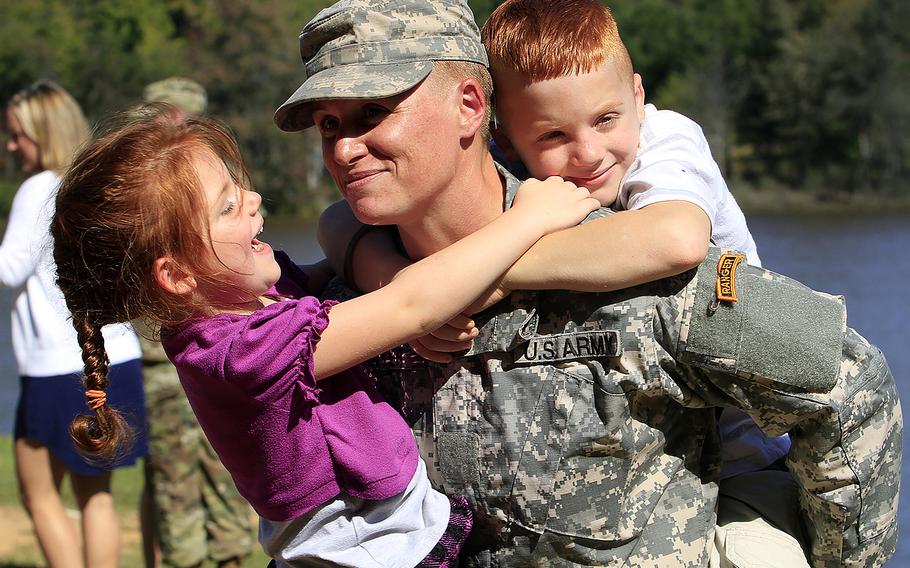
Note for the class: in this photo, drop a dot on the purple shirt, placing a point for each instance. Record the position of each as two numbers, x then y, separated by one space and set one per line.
289 443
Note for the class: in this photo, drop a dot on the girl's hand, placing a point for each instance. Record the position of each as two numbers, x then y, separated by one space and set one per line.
438 345
553 204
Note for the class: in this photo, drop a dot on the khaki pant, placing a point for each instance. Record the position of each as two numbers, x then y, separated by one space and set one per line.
758 523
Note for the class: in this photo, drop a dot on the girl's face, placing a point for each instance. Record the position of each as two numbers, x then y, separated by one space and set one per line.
20 145
234 221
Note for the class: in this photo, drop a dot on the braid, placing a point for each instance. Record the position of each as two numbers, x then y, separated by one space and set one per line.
130 198
103 434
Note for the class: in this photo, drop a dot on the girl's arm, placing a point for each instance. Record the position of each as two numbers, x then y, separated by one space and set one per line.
430 292
610 253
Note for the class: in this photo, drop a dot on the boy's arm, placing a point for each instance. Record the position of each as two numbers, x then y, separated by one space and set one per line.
365 256
610 253
616 251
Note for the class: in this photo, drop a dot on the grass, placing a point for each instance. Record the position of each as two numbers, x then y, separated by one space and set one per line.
127 486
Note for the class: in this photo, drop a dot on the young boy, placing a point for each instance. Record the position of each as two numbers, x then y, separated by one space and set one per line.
568 104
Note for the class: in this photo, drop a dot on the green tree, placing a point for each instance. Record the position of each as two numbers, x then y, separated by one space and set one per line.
799 91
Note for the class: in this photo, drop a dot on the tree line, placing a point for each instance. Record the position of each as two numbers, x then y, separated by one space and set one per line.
800 93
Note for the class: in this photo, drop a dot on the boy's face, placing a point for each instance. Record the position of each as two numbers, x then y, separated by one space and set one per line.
581 127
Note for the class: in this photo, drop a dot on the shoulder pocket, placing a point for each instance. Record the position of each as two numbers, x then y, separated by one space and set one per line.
777 328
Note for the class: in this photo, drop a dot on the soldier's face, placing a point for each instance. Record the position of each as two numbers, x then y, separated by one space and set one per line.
391 157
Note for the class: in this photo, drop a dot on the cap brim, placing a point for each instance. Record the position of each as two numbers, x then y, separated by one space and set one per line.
370 81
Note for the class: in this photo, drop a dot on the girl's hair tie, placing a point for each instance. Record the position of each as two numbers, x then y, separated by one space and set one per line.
95 398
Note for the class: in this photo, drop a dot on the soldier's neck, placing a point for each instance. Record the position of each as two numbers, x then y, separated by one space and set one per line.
473 199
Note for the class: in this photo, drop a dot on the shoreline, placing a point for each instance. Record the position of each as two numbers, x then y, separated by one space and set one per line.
813 202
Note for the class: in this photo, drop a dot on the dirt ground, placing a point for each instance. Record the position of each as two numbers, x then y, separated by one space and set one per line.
16 530
19 545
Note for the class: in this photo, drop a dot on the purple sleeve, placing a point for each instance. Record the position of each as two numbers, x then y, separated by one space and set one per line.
268 354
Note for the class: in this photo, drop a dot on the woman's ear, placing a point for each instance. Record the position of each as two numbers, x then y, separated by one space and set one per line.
472 106
172 278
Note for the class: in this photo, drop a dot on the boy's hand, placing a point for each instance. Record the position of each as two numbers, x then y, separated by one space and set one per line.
438 346
553 204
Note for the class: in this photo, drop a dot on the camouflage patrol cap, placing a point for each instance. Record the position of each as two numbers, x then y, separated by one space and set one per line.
371 49
185 94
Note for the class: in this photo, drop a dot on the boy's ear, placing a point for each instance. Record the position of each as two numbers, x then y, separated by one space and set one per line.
638 91
472 107
172 278
504 144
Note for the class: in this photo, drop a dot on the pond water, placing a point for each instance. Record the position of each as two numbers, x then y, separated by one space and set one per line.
865 258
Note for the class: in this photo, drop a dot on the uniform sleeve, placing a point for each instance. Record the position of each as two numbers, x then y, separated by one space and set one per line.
782 352
27 231
674 163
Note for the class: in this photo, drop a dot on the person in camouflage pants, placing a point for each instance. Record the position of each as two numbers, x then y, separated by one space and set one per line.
199 515
582 427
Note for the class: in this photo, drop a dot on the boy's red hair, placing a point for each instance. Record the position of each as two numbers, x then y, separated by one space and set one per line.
545 39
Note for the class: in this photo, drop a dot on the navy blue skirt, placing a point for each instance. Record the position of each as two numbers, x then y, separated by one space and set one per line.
47 406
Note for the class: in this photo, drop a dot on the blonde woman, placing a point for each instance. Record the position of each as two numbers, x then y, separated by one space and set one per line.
45 128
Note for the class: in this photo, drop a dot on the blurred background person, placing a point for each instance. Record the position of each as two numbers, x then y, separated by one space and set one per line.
191 510
45 128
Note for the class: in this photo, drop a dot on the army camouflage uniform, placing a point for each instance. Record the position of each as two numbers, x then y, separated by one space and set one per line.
582 426
198 512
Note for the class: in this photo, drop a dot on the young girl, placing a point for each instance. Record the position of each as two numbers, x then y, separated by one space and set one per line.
156 220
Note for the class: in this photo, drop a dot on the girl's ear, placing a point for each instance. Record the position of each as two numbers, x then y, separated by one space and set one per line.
172 278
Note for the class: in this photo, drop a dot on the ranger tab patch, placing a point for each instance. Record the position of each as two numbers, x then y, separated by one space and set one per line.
569 346
726 276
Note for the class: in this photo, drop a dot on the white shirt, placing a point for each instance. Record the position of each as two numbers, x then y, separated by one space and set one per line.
44 340
397 532
674 163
